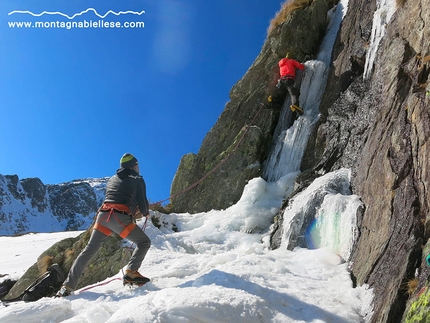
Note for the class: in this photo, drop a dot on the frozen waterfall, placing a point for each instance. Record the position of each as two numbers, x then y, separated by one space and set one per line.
324 215
291 142
381 17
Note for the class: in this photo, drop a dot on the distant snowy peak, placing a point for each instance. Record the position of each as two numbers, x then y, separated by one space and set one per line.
28 205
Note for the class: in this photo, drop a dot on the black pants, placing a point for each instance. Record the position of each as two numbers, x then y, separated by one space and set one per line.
288 84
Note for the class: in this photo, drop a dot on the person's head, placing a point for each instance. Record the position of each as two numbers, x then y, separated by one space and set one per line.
129 161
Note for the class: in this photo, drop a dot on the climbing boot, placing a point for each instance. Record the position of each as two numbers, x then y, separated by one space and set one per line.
296 108
64 291
133 277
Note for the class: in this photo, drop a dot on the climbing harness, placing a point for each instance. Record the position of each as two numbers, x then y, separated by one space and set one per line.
114 208
122 269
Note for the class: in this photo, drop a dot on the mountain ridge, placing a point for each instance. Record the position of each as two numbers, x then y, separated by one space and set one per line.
28 205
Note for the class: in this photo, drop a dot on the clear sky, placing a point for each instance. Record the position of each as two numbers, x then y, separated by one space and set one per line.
73 100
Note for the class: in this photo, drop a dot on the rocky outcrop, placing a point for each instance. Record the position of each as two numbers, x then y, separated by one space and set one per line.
36 192
71 200
223 187
107 262
28 205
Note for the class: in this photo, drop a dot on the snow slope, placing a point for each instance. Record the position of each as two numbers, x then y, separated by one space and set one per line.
210 270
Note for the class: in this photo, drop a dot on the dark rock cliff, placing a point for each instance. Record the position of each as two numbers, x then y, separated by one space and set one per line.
378 127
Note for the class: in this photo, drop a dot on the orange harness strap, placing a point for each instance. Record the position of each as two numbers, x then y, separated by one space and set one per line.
124 233
102 229
115 207
127 230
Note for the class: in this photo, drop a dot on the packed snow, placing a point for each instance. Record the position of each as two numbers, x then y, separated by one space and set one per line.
207 267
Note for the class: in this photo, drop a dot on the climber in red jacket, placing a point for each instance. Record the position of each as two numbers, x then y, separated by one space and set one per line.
287 71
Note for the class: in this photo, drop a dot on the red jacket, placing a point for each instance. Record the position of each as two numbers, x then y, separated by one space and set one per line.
288 66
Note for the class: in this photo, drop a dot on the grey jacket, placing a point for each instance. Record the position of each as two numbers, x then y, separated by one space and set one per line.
127 187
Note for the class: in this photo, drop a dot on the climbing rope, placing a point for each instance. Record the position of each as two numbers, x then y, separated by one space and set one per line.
246 128
218 165
122 265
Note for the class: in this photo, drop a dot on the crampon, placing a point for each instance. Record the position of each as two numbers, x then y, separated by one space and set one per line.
134 278
133 283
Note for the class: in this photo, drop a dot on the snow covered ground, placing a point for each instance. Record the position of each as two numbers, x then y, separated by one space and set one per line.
211 270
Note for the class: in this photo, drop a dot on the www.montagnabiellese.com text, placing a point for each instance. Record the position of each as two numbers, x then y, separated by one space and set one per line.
85 24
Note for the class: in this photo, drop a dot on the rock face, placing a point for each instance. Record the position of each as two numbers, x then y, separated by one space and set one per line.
224 186
378 126
28 205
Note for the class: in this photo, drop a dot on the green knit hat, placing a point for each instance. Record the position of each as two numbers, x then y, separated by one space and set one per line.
128 161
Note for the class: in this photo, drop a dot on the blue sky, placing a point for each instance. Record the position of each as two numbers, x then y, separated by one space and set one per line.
72 101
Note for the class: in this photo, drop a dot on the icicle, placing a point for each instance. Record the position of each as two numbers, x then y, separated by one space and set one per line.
381 17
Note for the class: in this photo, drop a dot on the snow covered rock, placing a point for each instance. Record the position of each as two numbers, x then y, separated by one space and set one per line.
107 262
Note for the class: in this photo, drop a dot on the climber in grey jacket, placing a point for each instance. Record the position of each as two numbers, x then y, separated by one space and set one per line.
125 195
